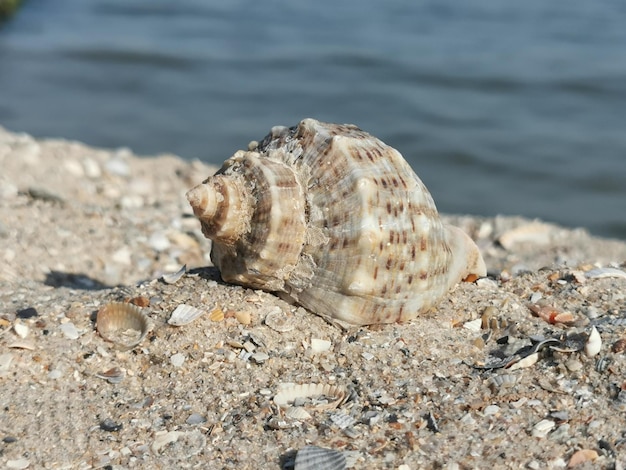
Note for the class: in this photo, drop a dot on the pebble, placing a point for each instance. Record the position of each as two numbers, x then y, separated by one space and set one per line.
177 360
491 410
110 426
69 330
196 418
158 241
164 438
117 166
55 374
259 357
25 313
573 365
122 256
91 168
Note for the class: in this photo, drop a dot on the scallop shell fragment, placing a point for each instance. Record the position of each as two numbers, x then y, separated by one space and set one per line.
184 314
319 458
122 324
321 396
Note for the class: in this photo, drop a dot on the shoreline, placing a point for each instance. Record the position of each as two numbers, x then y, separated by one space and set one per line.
80 227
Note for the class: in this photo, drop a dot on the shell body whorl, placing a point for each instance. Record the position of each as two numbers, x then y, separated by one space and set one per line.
338 221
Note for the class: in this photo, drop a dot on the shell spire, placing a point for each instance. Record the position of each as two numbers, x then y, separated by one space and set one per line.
335 220
223 205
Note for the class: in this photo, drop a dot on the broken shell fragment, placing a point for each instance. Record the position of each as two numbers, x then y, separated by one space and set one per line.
594 343
322 396
599 273
122 324
319 458
172 278
114 375
184 314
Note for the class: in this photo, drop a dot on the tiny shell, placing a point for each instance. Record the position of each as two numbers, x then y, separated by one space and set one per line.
319 458
184 314
279 321
122 324
335 395
594 343
172 278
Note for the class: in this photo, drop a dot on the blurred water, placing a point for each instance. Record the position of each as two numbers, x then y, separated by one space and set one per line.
500 107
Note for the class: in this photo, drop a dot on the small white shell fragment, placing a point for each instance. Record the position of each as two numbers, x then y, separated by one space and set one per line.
55 374
528 361
122 324
319 345
21 329
177 359
17 464
243 317
319 458
543 427
184 314
289 394
367 356
22 344
70 331
473 325
599 273
172 278
297 412
594 343
534 232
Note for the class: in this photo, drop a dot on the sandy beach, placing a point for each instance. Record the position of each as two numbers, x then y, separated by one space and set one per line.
501 374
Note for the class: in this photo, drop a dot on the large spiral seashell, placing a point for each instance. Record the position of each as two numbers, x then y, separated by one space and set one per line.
335 219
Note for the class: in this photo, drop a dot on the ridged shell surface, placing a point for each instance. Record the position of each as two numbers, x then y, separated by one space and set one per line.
335 219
